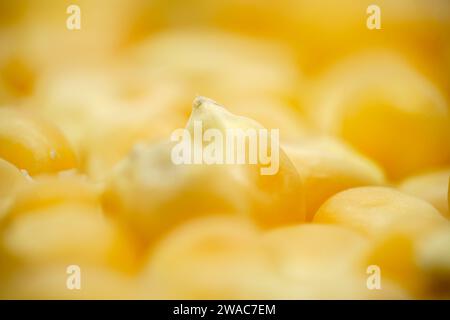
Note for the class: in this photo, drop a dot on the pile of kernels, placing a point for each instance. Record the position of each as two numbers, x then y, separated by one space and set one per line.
86 176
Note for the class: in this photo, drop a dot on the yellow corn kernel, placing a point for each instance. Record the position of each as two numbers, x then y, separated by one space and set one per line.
11 179
313 252
386 110
327 166
215 258
433 258
432 187
33 144
393 253
65 231
419 264
325 259
46 191
50 282
395 222
56 218
151 193
276 198
379 210
227 258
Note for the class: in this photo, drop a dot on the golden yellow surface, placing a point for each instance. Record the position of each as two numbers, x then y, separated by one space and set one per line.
430 186
33 144
87 178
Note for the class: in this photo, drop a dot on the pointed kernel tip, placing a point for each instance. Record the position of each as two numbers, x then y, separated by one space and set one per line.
199 100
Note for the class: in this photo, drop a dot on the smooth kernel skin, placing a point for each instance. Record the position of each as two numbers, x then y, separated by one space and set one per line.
11 179
386 110
394 254
59 233
55 219
228 258
33 144
419 264
306 252
327 260
66 233
394 221
327 166
49 190
432 187
215 257
375 211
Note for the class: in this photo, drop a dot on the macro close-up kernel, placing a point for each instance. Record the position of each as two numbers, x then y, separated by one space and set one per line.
224 150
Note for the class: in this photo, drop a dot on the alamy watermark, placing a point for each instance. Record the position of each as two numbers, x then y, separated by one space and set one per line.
73 21
374 279
374 19
73 281
235 146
